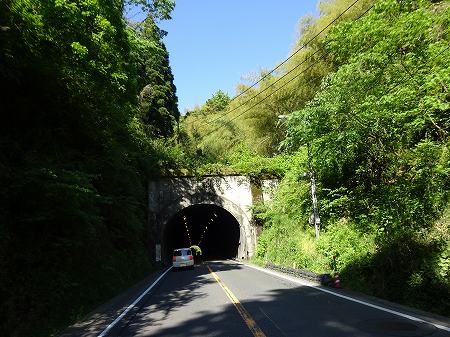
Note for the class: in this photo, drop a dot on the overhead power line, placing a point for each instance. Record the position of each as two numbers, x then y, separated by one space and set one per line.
266 97
397 84
129 18
322 56
267 88
294 53
286 74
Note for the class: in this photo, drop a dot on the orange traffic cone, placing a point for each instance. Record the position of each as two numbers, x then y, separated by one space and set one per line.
337 281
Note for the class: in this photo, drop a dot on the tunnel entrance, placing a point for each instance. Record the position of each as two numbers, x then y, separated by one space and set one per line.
215 230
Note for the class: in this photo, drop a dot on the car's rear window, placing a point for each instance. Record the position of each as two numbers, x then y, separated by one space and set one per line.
182 252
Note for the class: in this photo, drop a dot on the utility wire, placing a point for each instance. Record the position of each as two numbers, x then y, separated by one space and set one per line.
396 85
129 18
388 91
294 53
265 89
286 74
266 97
282 63
322 56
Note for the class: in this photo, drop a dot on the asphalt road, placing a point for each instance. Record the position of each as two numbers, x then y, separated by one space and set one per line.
240 301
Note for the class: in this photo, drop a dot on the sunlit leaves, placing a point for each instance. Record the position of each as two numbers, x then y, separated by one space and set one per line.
78 49
158 9
218 102
385 98
158 102
378 126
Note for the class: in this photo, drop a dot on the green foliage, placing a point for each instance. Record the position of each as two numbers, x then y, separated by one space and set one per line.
369 94
74 161
444 264
158 102
378 125
88 115
252 118
222 126
246 162
347 242
158 9
218 102
404 165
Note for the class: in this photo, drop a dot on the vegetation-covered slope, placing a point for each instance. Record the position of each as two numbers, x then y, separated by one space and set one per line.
370 94
75 154
379 129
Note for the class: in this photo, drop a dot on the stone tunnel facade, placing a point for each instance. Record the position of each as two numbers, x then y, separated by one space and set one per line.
236 194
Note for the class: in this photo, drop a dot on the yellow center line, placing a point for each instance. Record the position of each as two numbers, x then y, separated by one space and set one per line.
254 328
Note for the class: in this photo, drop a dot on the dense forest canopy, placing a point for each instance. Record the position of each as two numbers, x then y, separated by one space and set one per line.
89 114
85 97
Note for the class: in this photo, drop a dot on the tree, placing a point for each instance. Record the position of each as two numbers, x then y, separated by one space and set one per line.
73 162
218 102
158 101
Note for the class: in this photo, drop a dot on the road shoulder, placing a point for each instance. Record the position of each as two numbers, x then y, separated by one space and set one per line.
96 321
437 320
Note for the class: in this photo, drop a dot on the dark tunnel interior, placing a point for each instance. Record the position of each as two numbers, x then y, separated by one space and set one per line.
212 228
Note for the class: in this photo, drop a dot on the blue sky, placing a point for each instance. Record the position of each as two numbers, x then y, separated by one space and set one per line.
213 43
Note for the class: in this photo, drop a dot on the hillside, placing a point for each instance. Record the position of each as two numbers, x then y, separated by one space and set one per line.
369 94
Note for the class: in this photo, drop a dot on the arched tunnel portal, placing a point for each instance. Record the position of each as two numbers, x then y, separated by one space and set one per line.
214 229
225 200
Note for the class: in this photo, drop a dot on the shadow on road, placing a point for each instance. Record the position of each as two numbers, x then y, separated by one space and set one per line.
289 310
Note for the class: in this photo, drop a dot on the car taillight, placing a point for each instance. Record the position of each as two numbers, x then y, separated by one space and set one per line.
174 258
190 257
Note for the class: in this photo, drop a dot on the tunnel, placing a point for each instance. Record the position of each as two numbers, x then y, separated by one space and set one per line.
215 230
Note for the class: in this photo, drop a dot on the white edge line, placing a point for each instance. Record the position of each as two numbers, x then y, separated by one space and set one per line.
442 327
131 306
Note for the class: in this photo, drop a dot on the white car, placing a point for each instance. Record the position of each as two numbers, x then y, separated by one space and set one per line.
182 258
